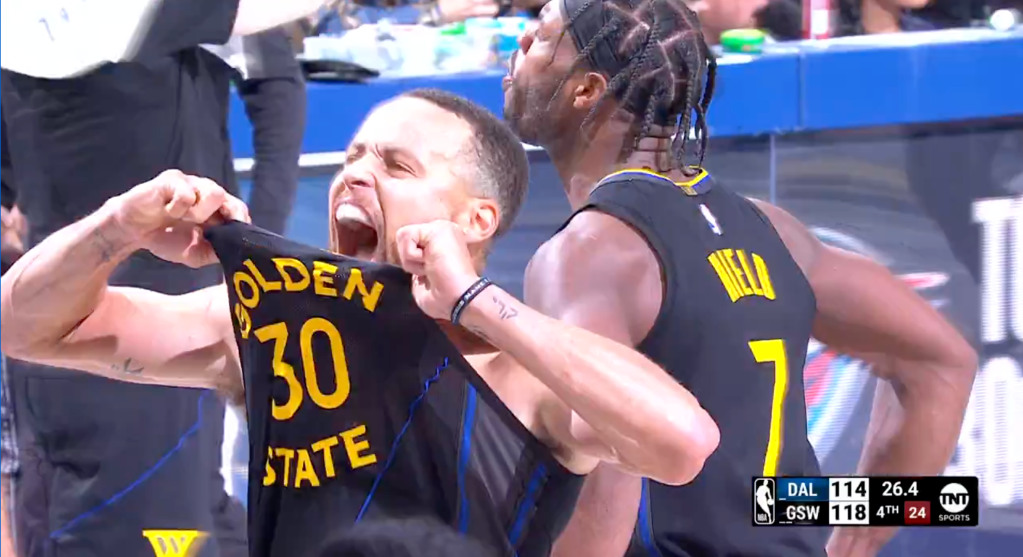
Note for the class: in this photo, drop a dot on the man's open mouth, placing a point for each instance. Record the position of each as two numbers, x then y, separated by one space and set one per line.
357 235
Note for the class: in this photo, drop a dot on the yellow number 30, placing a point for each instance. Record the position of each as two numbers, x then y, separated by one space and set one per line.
773 352
278 333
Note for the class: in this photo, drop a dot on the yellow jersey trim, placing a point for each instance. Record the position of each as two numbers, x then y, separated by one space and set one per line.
688 186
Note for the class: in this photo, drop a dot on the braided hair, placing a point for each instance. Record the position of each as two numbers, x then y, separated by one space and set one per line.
667 72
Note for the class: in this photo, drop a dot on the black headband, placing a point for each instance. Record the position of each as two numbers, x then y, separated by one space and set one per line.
585 25
604 57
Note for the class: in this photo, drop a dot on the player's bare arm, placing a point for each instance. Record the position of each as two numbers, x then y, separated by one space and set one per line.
927 367
58 310
624 408
600 275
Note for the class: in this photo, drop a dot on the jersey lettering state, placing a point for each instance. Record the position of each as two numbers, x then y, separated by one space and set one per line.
360 409
733 329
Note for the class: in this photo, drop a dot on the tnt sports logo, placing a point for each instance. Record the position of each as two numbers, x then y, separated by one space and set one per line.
954 498
763 501
175 543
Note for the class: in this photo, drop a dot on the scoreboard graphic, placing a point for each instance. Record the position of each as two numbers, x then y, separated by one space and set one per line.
877 501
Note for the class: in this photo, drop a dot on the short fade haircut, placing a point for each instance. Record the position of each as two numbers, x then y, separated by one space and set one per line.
501 167
403 538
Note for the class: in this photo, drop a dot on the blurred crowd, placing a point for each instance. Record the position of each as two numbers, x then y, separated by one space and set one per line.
783 19
71 145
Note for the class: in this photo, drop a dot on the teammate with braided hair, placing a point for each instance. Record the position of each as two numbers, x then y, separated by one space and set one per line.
722 291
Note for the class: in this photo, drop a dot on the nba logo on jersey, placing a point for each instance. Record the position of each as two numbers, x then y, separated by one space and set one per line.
712 221
763 501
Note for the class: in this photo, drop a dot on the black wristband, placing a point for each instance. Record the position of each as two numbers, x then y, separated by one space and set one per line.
467 298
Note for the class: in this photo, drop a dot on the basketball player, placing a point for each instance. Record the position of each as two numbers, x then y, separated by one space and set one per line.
369 411
764 499
721 291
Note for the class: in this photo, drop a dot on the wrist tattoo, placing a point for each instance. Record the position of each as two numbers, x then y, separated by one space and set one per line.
505 310
479 332
107 249
128 367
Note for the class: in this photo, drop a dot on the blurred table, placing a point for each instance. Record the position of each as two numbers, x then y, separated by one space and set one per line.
857 82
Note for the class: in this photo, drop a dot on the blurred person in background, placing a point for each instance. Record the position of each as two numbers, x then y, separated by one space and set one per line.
348 14
269 80
718 16
108 466
13 220
872 17
783 19
11 239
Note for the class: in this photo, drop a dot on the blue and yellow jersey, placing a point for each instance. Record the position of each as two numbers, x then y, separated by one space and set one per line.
360 408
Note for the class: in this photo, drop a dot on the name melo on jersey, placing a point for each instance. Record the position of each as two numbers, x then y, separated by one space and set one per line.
742 275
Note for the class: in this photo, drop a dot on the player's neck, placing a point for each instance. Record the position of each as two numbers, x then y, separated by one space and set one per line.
581 169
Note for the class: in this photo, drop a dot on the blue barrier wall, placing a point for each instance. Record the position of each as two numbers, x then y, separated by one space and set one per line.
884 146
904 79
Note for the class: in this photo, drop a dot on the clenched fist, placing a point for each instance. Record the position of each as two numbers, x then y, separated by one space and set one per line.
167 216
437 256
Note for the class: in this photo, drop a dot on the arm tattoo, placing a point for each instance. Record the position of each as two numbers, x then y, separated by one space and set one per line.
506 311
127 368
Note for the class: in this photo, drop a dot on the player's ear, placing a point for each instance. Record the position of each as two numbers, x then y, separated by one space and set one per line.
480 220
588 90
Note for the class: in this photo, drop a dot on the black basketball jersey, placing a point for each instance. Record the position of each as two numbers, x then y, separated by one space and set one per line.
733 329
360 408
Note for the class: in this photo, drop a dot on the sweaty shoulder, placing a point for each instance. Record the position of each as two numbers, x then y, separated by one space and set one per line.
600 274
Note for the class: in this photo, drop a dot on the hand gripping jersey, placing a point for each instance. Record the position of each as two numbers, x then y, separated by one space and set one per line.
360 408
733 329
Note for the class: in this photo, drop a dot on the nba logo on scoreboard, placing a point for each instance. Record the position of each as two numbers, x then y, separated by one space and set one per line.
763 501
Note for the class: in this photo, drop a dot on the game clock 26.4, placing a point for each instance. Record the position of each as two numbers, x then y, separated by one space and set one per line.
898 488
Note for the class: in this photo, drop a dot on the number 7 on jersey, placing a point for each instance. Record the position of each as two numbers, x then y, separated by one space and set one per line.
773 352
